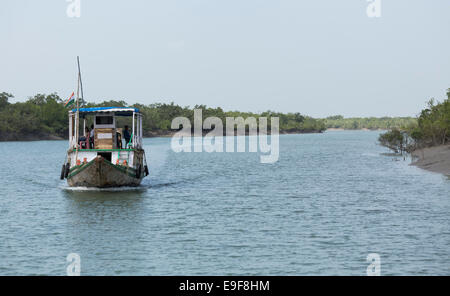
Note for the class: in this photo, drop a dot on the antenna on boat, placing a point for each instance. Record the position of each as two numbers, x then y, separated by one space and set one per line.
79 77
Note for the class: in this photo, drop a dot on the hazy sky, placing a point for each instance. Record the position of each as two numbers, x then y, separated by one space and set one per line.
317 57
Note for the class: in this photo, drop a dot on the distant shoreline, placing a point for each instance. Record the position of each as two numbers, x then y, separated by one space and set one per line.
333 129
165 134
29 138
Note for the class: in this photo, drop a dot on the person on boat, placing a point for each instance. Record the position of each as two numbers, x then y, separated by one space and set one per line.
87 138
91 136
119 140
82 142
126 136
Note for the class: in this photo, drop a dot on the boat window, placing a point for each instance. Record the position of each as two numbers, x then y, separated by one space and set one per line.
103 120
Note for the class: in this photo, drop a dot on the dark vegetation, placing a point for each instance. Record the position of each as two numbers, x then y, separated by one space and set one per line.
45 117
431 129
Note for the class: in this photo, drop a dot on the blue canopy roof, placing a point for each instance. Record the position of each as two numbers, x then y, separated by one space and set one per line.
125 111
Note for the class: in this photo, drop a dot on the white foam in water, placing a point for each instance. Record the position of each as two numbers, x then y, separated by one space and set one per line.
113 189
370 154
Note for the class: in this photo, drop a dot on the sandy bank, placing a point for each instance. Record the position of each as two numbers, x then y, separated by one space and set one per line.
434 159
339 129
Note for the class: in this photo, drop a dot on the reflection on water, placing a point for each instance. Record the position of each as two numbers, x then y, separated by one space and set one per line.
90 199
90 202
112 218
330 200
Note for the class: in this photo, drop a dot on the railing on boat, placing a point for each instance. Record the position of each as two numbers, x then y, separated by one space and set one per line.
106 132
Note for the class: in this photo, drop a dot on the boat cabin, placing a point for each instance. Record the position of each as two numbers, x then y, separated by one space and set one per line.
116 132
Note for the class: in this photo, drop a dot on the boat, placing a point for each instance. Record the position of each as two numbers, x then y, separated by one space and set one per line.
107 163
100 157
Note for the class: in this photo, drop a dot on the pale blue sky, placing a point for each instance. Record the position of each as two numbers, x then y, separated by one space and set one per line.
320 57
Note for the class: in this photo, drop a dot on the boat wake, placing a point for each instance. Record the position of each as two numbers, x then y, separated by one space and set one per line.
144 186
111 189
159 185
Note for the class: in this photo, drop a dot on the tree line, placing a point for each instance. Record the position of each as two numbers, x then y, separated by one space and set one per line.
371 123
44 117
432 128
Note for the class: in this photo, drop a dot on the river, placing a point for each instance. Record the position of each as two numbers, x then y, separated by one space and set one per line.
329 201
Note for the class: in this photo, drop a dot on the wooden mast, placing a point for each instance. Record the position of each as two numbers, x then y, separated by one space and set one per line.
78 109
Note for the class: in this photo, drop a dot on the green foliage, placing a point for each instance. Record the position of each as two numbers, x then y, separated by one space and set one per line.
372 123
434 123
394 140
432 127
335 117
40 115
4 97
158 117
45 115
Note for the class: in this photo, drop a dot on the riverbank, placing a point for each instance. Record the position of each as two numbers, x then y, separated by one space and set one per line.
21 137
18 137
149 134
434 159
154 134
339 129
